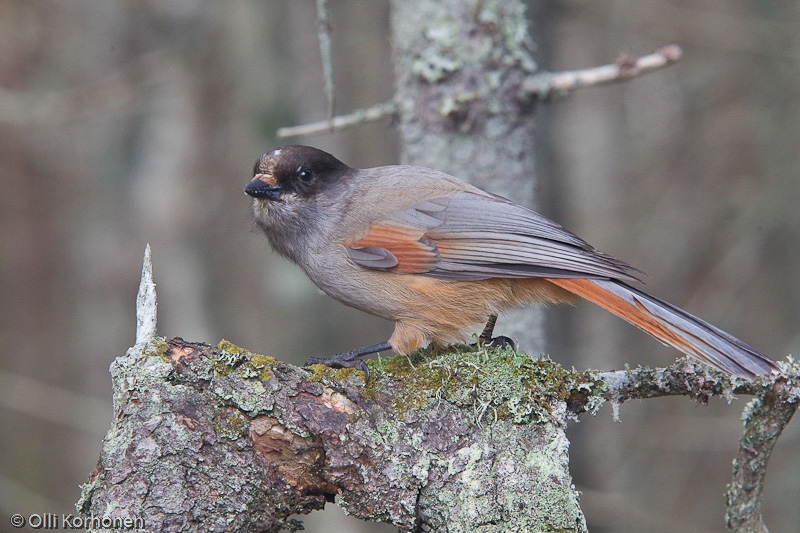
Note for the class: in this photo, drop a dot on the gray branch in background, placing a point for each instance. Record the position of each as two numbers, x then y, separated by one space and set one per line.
356 118
539 86
324 38
545 85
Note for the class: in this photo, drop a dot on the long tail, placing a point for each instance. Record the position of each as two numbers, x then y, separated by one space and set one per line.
672 326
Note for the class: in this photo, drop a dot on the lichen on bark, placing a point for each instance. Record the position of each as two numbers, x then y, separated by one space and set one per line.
223 439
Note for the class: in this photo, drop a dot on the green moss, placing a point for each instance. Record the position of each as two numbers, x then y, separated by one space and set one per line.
320 371
261 364
159 347
231 424
226 357
229 347
262 360
230 357
498 383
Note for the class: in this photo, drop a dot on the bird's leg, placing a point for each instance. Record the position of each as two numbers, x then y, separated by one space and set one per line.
351 359
500 341
486 335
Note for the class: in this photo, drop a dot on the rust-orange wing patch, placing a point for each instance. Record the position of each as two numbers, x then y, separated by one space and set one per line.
395 247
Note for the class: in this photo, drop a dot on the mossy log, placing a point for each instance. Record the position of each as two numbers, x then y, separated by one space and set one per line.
227 440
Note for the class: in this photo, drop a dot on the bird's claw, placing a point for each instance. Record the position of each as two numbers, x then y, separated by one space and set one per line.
501 341
342 360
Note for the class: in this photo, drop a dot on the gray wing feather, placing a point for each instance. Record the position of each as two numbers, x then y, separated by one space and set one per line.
372 257
488 236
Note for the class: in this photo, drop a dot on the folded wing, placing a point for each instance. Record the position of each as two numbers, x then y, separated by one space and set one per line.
470 236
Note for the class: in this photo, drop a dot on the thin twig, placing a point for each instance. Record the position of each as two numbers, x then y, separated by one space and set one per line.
546 85
685 377
362 116
540 86
324 37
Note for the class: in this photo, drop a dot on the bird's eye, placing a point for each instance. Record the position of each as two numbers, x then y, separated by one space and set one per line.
305 175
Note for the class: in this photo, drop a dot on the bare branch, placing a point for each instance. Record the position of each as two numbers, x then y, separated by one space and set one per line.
540 86
685 377
362 116
546 85
765 418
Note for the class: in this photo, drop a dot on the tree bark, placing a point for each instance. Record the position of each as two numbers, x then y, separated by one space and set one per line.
222 439
765 418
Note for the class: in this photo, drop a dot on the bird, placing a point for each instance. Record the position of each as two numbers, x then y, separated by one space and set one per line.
442 258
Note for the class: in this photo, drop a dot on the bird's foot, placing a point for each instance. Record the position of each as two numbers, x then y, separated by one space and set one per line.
341 360
350 359
501 341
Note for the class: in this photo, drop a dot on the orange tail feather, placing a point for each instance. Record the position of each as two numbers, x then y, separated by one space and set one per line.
672 326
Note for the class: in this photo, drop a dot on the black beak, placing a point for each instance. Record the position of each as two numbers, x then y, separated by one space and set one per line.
259 189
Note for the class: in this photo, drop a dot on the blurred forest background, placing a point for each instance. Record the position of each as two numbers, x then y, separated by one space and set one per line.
128 122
